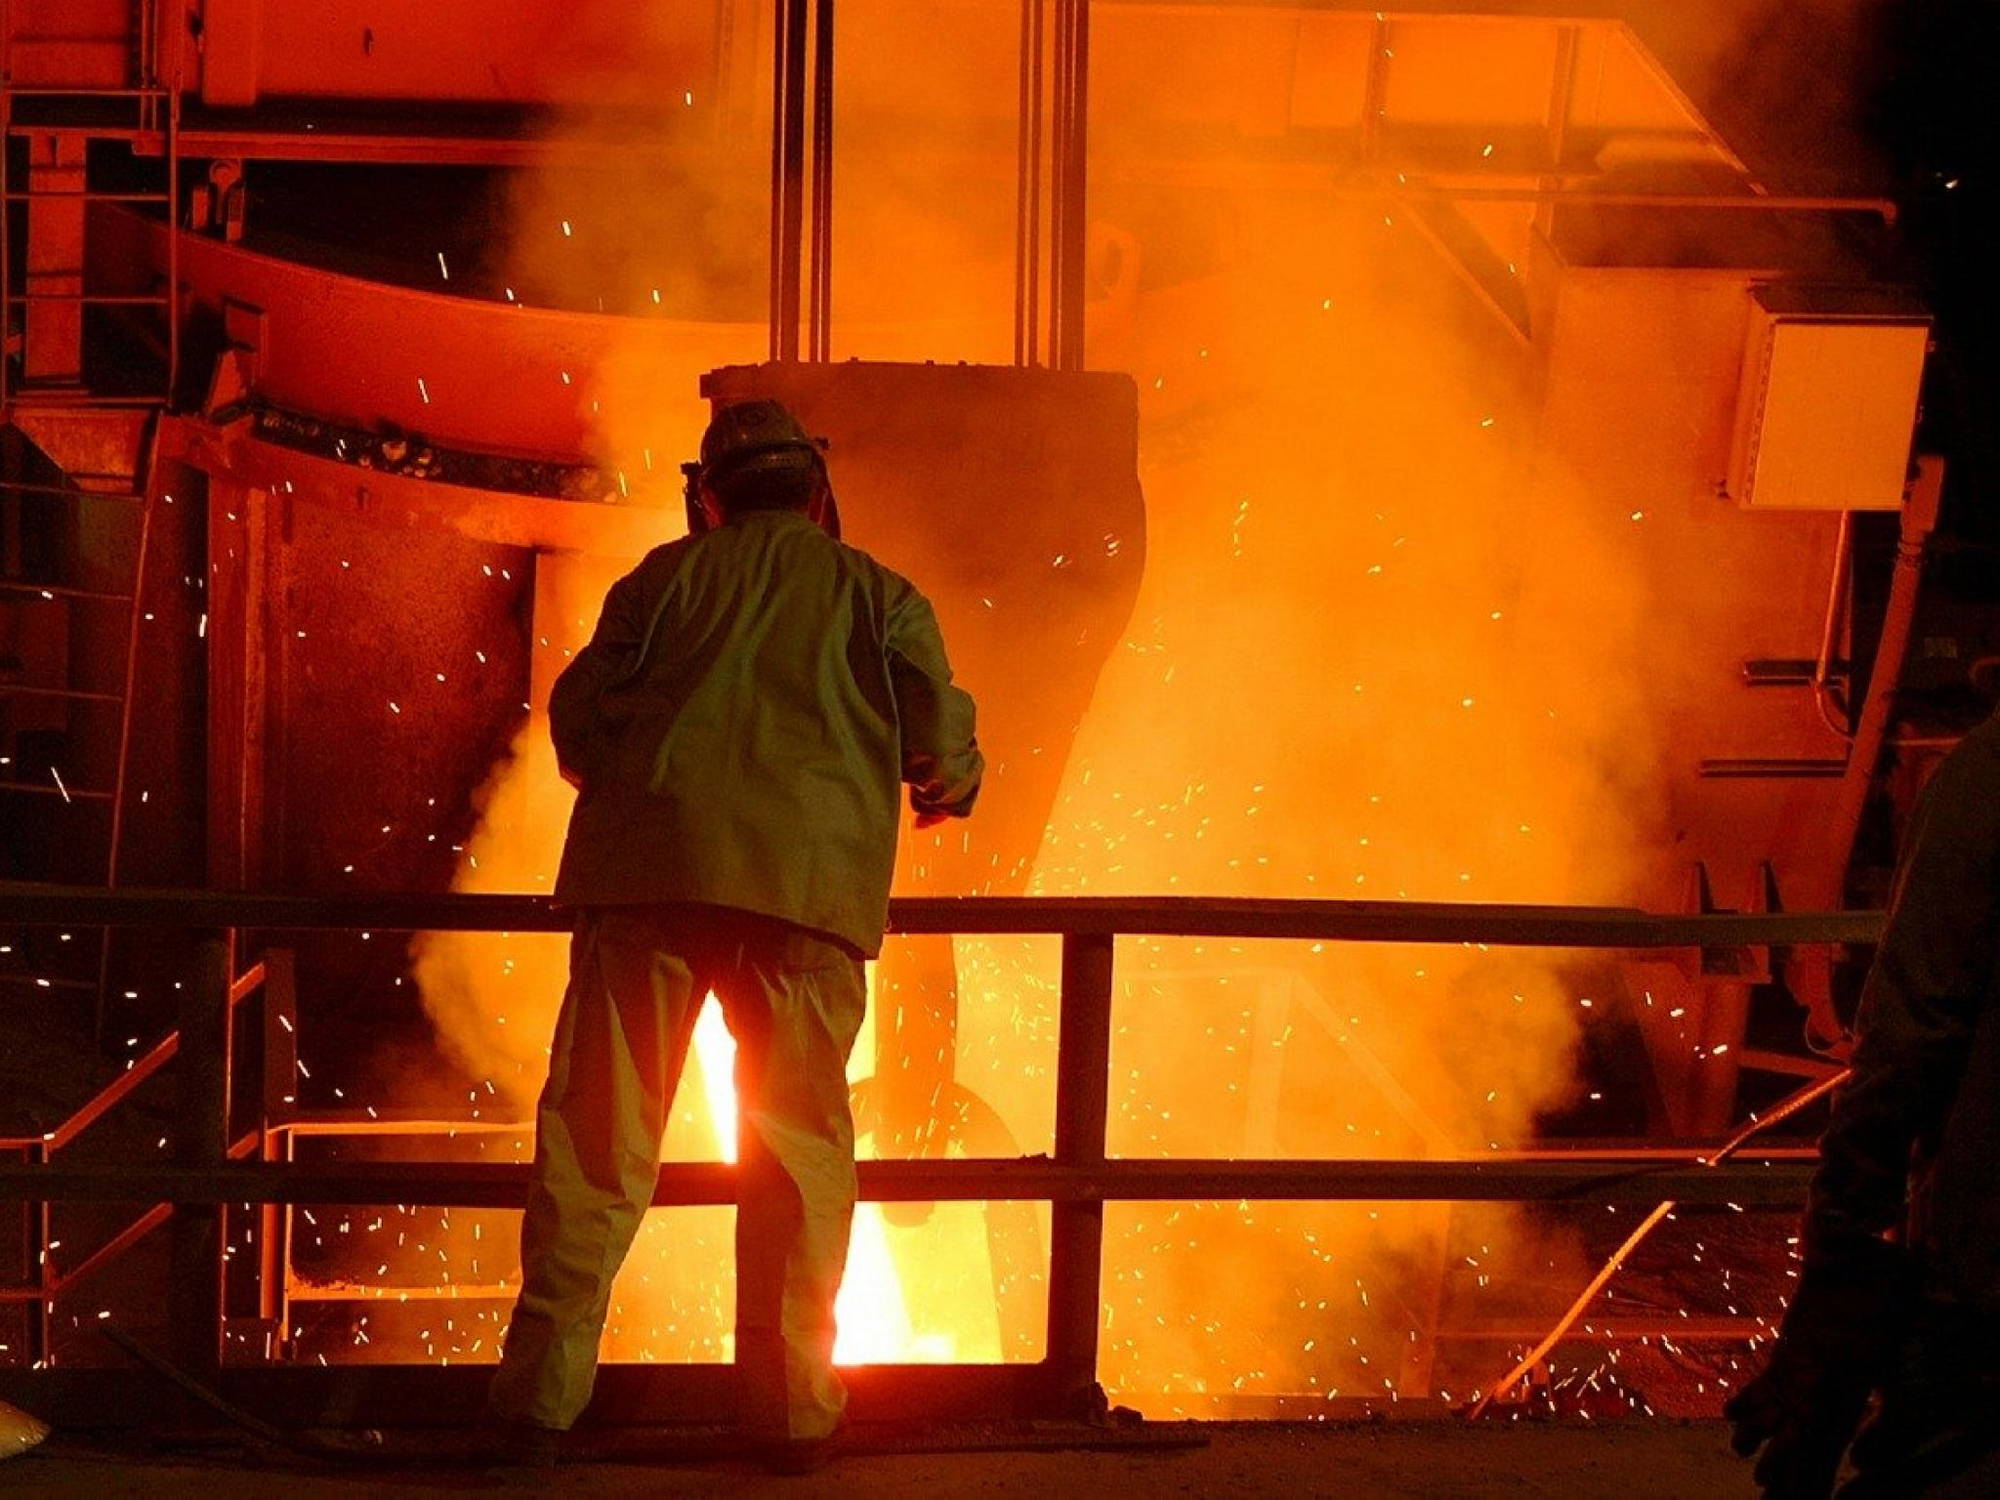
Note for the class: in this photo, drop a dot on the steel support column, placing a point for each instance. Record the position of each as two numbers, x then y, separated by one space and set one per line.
1076 1230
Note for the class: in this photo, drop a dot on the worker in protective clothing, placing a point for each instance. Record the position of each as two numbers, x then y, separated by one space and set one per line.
737 730
1914 1144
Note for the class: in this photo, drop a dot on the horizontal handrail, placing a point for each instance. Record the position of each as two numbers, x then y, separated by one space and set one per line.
61 1282
1139 916
106 1099
1637 1182
136 1072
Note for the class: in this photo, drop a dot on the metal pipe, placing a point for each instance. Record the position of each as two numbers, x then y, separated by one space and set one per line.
1829 640
1810 973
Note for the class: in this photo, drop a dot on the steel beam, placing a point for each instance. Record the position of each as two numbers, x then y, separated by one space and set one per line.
434 1396
1635 1180
1164 916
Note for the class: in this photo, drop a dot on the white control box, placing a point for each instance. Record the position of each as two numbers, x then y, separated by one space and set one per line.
1827 411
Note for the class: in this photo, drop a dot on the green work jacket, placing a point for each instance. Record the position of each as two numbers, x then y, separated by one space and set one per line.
739 725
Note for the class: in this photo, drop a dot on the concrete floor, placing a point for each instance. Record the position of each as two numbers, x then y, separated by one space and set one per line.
1432 1460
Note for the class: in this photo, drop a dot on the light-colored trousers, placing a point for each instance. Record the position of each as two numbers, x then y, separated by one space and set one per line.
793 1001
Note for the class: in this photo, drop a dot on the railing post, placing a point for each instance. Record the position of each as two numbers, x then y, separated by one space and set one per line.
42 1274
1076 1237
202 1140
280 1105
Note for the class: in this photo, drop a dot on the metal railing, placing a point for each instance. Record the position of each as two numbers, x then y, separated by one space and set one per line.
210 1166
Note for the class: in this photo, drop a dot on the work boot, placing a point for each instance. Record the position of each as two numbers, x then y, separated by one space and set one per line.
803 1455
522 1452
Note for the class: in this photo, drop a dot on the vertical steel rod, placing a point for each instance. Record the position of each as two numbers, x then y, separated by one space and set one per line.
819 315
202 1139
6 215
1076 1240
1072 147
1038 68
173 155
788 175
1023 165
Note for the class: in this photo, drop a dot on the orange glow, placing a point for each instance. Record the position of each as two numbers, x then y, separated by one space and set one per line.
1416 624
874 1324
715 1052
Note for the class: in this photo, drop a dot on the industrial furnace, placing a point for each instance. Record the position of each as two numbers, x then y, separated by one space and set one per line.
1356 455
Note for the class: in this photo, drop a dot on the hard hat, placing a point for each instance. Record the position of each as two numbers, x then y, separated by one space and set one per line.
747 436
751 435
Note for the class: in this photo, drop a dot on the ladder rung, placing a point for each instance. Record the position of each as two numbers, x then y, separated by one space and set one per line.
30 195
142 91
97 299
93 130
29 398
80 695
1772 768
60 591
44 982
68 794
71 493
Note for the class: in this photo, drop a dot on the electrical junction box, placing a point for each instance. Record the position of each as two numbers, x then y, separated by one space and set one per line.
1828 406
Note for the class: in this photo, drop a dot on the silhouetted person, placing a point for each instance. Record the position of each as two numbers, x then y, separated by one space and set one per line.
1914 1143
737 730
